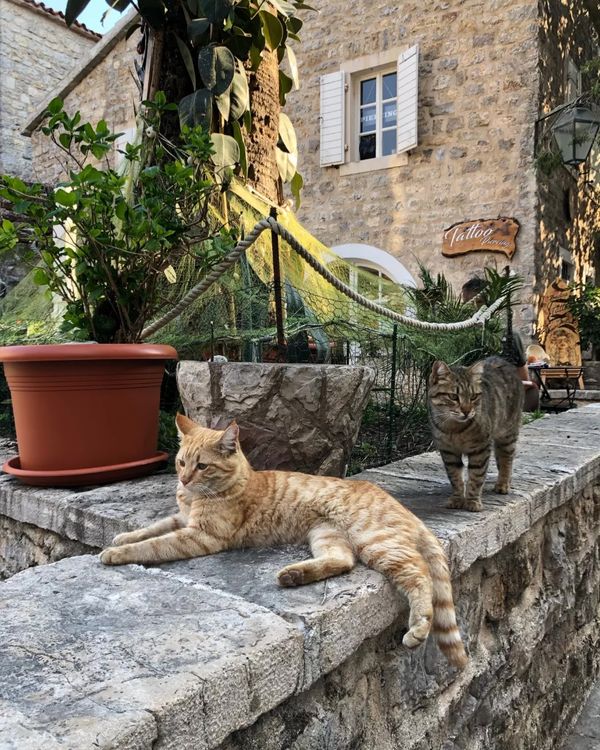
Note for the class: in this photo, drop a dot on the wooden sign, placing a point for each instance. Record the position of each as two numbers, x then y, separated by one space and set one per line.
491 235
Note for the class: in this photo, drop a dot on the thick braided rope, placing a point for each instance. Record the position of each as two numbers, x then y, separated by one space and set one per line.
229 260
478 319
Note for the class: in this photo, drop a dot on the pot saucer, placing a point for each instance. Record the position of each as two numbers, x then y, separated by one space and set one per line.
85 477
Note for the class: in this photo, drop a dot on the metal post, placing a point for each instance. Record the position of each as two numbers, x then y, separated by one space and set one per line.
277 288
212 340
390 446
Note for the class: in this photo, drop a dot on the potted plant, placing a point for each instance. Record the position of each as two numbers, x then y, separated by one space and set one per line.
106 246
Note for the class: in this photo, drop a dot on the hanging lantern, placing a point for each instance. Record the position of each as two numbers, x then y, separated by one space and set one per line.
574 131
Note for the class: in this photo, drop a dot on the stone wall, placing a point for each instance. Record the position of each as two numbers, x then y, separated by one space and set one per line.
210 654
23 545
531 614
108 92
478 90
569 199
37 51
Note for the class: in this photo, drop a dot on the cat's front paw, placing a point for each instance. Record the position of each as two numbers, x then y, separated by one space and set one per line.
112 556
455 501
502 488
290 577
473 504
126 538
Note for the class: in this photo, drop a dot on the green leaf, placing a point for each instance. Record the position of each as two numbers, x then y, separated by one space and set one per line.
65 140
294 24
287 134
285 86
152 11
74 9
296 185
197 28
196 109
272 29
239 139
216 66
240 93
55 106
65 198
293 66
40 277
215 10
118 5
223 103
227 151
121 210
255 56
286 164
187 59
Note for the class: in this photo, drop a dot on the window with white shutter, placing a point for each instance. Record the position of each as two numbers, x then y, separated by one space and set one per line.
332 118
369 122
408 93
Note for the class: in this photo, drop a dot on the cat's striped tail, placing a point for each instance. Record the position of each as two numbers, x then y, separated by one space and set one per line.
443 627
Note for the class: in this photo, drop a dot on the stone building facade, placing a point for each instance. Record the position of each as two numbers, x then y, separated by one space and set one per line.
103 87
37 50
486 73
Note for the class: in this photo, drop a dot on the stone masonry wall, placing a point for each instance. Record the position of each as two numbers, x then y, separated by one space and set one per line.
532 617
37 50
569 200
109 92
23 545
209 654
478 84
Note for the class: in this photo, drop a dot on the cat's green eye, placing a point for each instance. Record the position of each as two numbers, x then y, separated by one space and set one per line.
454 396
201 466
181 462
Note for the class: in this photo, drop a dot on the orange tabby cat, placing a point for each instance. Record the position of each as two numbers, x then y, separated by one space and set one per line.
224 504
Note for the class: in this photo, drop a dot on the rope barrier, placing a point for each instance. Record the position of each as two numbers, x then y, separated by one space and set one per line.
478 319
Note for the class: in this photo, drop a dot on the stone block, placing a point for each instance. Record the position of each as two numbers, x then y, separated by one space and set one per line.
135 658
295 417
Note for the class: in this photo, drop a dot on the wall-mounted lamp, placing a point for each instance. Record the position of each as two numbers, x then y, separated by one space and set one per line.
574 131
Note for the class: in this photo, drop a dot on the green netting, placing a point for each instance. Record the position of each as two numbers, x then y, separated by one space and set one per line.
236 318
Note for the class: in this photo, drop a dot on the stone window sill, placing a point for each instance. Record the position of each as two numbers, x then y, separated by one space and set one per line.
372 165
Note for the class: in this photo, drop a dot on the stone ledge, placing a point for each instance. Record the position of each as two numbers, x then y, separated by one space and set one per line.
258 644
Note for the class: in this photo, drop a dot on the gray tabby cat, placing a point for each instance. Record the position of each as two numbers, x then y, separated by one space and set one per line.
471 409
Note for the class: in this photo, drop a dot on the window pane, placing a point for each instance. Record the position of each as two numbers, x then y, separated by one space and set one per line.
388 143
389 86
367 91
367 119
366 149
388 115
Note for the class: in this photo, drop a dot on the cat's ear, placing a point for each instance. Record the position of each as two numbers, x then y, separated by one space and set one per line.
439 370
229 439
184 425
476 370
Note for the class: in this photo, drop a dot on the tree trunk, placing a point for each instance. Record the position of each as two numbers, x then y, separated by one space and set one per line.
262 141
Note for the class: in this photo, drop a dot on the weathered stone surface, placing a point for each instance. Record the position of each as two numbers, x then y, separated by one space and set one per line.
23 545
38 49
298 417
140 658
133 658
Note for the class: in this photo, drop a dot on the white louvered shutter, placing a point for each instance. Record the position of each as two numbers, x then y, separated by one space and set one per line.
332 119
407 88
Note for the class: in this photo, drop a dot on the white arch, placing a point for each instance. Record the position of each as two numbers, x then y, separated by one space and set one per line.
373 257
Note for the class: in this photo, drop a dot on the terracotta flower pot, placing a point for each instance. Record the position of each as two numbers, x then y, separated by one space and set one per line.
85 413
